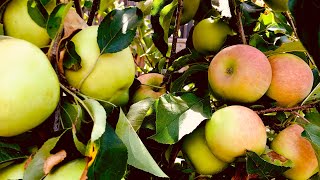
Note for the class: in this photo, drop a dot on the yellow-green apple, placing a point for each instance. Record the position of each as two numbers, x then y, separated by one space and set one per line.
197 151
277 5
13 171
18 23
209 35
292 79
240 73
233 130
30 88
70 171
189 10
105 76
150 87
290 144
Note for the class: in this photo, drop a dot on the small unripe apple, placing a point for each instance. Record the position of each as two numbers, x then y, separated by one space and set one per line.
189 10
240 73
107 76
277 5
149 87
197 151
30 88
13 171
233 130
70 171
209 35
292 79
291 145
18 23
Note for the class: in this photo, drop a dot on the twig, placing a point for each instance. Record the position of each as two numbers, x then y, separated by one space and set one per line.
94 9
279 109
300 116
292 24
78 8
237 13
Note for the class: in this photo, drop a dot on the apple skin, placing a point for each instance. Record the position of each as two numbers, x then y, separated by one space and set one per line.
209 35
240 73
290 144
17 23
277 5
292 79
233 130
197 151
145 91
189 10
70 171
112 75
32 90
13 171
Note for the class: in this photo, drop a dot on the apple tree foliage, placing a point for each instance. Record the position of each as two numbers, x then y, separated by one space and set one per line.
144 139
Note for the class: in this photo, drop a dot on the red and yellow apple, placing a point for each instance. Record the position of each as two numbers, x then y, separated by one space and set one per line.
277 5
13 171
197 151
30 88
150 87
70 171
233 130
102 76
292 79
18 23
291 145
239 73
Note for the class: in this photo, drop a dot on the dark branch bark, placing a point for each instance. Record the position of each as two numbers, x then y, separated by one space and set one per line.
236 13
94 9
279 109
78 8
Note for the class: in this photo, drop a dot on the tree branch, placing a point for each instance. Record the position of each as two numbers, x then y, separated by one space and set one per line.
279 109
236 12
78 8
176 29
94 9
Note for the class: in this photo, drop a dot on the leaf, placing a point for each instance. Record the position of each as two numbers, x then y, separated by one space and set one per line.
287 47
266 170
71 60
99 118
56 19
45 2
110 161
118 29
178 84
37 12
71 115
185 60
312 133
165 18
53 160
72 23
177 116
313 96
138 155
313 117
9 152
250 12
138 112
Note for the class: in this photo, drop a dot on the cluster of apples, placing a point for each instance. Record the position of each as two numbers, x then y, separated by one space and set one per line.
242 73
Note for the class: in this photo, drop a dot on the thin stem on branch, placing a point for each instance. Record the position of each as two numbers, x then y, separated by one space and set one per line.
236 12
94 9
291 109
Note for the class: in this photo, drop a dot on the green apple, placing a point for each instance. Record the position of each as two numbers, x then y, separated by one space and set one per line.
291 145
189 10
30 91
197 151
149 87
292 79
277 5
233 130
209 35
240 73
18 23
13 171
107 76
70 171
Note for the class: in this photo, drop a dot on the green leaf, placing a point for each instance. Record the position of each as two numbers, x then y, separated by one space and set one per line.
178 116
118 29
313 117
72 60
138 155
259 42
259 166
138 112
37 12
287 47
9 152
250 12
99 118
111 159
312 133
44 2
56 19
158 5
178 84
184 60
313 96
165 18
71 114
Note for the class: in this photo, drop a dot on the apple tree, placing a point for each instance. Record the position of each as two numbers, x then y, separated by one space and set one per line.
98 89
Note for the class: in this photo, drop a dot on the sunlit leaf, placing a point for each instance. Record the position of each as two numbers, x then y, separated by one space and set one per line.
165 18
37 12
313 96
312 133
287 47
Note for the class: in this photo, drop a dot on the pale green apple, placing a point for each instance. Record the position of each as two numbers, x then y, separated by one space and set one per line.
292 79
290 144
189 10
240 73
30 88
197 151
150 87
107 76
209 35
233 130
18 23
13 171
278 5
71 171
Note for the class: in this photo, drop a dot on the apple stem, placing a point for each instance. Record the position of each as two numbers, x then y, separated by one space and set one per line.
94 9
291 109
